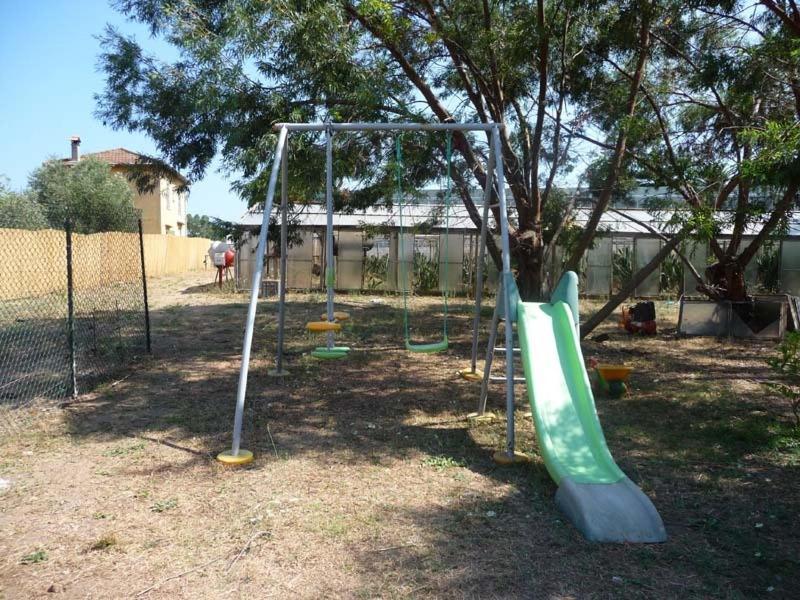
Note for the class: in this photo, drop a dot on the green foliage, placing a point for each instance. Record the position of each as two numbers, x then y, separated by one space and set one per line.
768 265
440 463
87 193
19 210
34 557
671 276
203 226
778 158
426 273
376 269
164 505
622 266
787 365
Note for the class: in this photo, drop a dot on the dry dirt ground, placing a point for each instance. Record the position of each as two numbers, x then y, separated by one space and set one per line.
369 483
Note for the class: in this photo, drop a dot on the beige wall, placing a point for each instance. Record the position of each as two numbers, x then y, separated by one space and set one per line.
173 208
163 208
99 259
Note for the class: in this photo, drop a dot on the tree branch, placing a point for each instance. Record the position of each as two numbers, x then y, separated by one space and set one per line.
619 152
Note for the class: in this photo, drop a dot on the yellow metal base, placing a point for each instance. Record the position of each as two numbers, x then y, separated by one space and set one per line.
506 460
484 418
276 373
468 375
244 457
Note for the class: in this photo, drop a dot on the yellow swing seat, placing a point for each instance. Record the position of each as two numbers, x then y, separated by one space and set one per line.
323 326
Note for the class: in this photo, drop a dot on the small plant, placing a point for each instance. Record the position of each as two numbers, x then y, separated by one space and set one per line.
34 557
768 269
124 450
622 265
442 462
376 269
426 273
787 364
671 274
164 505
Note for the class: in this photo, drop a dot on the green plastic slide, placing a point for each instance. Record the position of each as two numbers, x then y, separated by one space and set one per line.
567 427
593 491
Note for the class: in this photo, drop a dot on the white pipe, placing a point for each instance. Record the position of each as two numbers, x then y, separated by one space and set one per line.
487 195
386 126
501 196
329 260
284 244
254 289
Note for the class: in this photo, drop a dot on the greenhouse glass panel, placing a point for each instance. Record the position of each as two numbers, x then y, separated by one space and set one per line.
452 253
790 267
644 250
349 260
598 267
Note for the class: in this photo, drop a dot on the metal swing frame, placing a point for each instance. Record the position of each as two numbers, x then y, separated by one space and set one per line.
494 176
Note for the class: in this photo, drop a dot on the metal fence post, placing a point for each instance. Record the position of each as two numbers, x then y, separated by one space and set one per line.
144 290
73 383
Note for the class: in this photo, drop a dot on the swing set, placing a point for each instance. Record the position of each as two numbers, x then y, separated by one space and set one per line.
331 321
593 492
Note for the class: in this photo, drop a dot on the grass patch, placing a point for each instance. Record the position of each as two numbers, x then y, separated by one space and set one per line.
335 527
441 463
34 557
124 450
164 505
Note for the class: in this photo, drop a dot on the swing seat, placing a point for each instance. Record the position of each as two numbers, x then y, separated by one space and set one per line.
323 326
428 348
326 353
337 315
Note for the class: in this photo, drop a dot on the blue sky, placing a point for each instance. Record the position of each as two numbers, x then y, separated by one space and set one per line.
48 78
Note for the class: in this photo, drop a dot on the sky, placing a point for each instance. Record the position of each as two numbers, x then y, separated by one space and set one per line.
48 78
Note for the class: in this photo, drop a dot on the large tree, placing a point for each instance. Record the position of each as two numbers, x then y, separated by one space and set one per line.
660 90
532 67
722 114
87 193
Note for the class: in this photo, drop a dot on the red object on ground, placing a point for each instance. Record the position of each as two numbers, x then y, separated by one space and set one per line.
644 327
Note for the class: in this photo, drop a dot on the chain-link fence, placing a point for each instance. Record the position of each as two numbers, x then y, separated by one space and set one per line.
73 308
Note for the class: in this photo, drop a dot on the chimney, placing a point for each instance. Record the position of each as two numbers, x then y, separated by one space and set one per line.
76 148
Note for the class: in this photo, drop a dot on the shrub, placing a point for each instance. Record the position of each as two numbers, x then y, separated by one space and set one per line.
787 365
19 211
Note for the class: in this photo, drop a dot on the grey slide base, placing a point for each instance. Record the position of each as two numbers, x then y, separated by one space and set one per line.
611 512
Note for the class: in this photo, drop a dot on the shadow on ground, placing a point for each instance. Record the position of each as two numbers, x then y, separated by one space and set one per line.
703 450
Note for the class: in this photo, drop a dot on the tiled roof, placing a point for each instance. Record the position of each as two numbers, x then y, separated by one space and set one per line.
117 156
123 156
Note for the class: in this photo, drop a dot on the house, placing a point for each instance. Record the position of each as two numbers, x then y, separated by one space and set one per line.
164 207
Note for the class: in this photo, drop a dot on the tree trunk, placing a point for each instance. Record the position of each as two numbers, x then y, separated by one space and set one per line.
530 273
726 279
